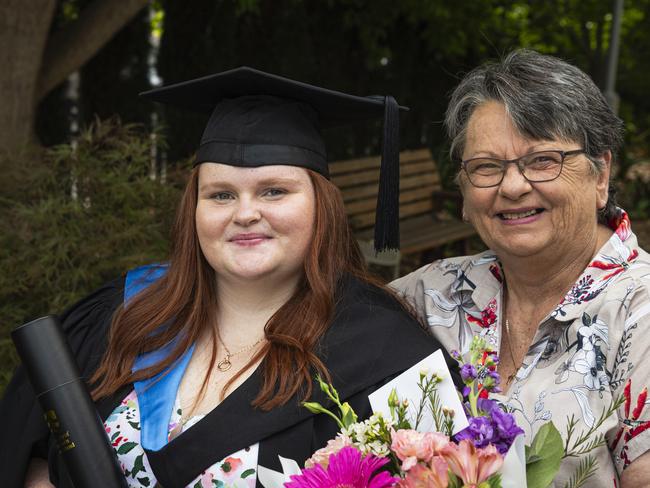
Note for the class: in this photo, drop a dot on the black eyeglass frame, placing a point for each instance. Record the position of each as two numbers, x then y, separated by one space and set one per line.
517 161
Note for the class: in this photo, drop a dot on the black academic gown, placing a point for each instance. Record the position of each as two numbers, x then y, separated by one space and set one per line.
370 341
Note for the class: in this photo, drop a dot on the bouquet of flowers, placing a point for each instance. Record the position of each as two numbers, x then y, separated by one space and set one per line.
392 450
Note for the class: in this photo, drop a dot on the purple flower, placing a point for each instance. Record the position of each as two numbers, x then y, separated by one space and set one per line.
507 429
468 373
347 468
486 406
479 431
494 426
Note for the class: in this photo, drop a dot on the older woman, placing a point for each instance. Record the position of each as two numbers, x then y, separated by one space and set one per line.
199 367
563 292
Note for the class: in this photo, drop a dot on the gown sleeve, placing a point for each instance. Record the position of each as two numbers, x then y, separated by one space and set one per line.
25 434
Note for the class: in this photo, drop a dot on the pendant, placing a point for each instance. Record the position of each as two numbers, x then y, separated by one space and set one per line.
224 365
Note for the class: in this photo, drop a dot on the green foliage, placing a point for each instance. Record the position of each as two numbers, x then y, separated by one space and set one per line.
73 217
543 457
346 416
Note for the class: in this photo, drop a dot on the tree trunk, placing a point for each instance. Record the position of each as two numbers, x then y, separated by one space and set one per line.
74 45
24 27
33 62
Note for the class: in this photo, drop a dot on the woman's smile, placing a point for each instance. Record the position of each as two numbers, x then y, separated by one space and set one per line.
249 239
520 216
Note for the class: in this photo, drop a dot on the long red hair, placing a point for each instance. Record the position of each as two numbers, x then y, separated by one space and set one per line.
183 302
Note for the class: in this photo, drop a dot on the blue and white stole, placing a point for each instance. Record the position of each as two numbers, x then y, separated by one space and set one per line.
156 395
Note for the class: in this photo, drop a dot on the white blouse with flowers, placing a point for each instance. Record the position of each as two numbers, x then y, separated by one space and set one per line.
592 348
239 470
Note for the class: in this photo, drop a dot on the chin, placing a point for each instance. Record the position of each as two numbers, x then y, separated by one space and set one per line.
251 274
522 251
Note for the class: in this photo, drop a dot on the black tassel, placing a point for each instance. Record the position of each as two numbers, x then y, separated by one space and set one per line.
387 215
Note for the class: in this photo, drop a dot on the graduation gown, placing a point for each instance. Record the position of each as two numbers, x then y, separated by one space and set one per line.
370 341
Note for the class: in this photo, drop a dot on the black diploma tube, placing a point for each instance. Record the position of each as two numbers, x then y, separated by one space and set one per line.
68 409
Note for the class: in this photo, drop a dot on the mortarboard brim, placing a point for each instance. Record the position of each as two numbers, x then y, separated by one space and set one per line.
334 108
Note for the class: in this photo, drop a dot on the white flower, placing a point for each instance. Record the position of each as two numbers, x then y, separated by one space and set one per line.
593 379
592 333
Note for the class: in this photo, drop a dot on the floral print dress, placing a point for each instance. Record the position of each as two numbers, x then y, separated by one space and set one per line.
593 347
238 470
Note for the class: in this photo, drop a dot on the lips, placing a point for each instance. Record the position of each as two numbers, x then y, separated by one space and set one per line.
249 239
517 214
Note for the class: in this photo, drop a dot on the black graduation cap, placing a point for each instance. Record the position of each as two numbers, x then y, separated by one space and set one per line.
260 119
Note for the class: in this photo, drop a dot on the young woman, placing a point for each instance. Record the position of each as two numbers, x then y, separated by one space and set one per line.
199 367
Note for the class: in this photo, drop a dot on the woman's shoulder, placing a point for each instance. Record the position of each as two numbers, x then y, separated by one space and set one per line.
370 316
87 322
372 337
445 277
370 301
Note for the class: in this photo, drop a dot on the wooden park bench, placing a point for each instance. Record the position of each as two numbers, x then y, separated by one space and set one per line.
420 201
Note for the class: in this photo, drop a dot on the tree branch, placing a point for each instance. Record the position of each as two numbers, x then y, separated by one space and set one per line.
71 47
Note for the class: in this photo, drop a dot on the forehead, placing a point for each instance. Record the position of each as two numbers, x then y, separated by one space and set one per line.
211 172
492 132
490 128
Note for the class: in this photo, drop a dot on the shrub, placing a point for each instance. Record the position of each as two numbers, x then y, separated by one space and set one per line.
75 216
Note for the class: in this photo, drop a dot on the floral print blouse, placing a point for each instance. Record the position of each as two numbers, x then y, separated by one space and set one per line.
238 470
591 349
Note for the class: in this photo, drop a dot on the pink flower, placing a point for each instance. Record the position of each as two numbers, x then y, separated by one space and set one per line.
230 468
472 465
346 469
322 456
206 478
421 476
412 446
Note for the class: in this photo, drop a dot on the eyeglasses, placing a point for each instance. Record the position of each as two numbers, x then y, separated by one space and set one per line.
536 167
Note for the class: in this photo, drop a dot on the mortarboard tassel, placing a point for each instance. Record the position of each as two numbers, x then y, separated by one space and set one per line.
387 215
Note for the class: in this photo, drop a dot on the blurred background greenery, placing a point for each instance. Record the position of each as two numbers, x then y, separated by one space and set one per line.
89 185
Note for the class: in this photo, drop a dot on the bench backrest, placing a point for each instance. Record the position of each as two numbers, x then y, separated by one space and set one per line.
358 180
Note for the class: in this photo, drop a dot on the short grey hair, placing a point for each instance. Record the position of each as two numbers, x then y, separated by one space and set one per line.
546 99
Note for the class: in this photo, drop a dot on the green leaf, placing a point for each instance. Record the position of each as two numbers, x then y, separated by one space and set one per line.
144 481
544 456
493 481
348 417
138 465
454 481
247 473
126 447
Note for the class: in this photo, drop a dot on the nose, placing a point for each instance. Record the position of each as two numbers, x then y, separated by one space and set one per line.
514 185
247 211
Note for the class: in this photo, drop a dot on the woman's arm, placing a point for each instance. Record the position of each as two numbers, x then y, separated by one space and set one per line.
38 475
636 474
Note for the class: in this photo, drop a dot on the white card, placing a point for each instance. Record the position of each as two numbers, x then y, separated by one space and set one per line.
407 388
513 472
269 478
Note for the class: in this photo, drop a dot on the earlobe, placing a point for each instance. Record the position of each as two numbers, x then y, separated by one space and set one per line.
602 181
